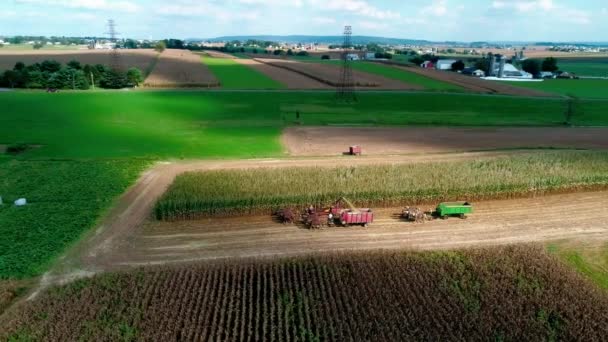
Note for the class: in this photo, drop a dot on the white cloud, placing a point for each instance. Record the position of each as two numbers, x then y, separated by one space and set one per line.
119 5
358 7
438 9
190 8
323 20
545 8
372 25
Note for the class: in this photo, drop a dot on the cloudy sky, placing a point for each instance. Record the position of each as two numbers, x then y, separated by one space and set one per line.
463 20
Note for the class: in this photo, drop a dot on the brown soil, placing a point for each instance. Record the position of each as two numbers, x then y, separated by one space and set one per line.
330 75
291 79
322 141
494 223
140 59
180 68
475 84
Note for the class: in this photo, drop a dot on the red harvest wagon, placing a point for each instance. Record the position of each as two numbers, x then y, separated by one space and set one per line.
355 150
360 217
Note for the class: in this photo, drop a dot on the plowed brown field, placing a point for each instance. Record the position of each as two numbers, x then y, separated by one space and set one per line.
324 141
180 69
330 74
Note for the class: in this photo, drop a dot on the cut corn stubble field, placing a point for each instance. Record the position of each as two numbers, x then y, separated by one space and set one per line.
180 69
129 237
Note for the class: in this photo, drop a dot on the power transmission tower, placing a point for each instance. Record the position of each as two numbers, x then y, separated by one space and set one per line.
346 86
115 60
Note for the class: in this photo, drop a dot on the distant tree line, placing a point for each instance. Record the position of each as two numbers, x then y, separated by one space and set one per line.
51 74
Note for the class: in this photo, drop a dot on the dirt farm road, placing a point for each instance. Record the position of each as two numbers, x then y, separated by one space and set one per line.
129 237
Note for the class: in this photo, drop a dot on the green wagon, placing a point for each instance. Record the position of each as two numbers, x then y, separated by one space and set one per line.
447 209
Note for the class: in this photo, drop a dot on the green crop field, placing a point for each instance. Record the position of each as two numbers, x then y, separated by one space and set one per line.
584 88
242 124
405 76
397 74
592 262
200 194
233 75
65 198
596 67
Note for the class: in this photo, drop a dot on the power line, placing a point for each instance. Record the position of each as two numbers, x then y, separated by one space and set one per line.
115 60
346 87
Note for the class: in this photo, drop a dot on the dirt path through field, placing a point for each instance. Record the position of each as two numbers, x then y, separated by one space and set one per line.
317 141
582 216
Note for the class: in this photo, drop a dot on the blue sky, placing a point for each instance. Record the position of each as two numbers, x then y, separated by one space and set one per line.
463 20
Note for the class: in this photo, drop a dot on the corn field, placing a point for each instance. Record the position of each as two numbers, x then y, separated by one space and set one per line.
260 191
503 294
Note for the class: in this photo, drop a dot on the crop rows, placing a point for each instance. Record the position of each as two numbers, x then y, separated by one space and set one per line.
234 192
180 69
510 293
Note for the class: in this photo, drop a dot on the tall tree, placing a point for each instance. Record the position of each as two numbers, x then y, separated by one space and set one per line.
531 66
160 46
550 64
134 76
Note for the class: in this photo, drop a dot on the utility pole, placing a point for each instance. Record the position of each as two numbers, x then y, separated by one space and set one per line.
346 87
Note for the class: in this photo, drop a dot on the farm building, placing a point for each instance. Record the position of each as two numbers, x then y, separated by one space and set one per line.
428 65
474 72
353 57
370 55
445 64
510 71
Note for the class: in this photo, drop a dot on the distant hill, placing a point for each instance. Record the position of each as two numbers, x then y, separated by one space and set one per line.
297 39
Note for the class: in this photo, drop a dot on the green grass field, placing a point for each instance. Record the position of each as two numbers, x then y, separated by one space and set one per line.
584 88
596 67
590 262
65 199
173 124
233 75
405 76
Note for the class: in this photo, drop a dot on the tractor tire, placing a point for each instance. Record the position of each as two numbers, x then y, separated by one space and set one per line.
444 217
365 225
463 216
